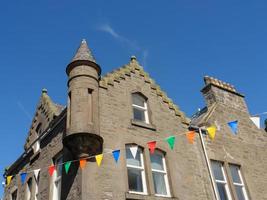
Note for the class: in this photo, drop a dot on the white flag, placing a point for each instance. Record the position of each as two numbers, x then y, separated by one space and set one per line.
36 173
256 121
133 150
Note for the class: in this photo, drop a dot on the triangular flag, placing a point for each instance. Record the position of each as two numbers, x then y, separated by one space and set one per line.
23 177
99 159
133 150
190 136
234 126
67 166
212 131
116 155
36 173
82 163
152 146
51 170
8 180
171 141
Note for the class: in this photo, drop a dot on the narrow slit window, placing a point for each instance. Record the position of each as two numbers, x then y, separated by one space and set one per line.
90 103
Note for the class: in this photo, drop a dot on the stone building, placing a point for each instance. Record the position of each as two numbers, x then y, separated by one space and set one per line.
126 109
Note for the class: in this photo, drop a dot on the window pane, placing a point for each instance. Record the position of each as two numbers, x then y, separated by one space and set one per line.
217 170
135 180
139 114
235 175
159 183
130 158
222 191
157 161
239 192
138 100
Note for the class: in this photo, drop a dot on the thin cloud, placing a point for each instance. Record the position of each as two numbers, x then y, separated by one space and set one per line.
107 28
23 109
124 40
145 55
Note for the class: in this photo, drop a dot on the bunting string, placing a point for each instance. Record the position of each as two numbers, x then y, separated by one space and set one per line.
190 135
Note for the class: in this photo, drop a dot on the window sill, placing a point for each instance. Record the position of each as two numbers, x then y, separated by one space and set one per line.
143 125
133 196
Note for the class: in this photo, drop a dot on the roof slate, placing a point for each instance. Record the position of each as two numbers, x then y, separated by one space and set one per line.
84 53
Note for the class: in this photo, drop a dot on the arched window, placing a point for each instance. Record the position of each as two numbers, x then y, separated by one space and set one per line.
139 105
159 173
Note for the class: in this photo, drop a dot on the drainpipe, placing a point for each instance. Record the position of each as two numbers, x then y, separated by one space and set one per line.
207 160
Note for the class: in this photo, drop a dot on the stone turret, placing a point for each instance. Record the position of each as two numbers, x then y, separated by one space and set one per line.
82 135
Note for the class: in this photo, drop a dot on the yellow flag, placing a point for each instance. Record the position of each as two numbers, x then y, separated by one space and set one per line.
8 180
99 159
212 131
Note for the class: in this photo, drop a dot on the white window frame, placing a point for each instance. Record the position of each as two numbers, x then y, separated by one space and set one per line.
140 168
28 194
164 172
56 179
239 184
36 189
144 109
226 185
36 146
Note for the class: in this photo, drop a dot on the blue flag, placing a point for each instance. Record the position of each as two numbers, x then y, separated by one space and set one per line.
234 126
116 155
23 177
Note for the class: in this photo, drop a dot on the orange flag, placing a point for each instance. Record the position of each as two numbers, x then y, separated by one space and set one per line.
191 136
82 163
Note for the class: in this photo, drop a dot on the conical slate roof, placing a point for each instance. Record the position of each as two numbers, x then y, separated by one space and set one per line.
84 53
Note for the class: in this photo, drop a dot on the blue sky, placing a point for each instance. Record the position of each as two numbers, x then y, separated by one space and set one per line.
177 42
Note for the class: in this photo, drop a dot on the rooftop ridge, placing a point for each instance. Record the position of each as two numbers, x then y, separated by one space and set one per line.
134 67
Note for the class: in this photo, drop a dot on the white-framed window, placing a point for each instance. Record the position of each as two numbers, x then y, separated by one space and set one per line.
140 112
159 173
220 180
28 192
56 178
238 182
36 191
36 146
136 171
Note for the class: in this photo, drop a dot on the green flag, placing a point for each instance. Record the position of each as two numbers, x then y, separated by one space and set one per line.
67 166
171 141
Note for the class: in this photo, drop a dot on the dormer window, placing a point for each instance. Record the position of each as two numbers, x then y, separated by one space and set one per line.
140 108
